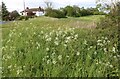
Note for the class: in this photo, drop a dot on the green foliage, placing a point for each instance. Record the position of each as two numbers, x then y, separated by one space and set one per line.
72 11
85 12
5 12
14 15
54 13
23 18
46 47
112 19
105 22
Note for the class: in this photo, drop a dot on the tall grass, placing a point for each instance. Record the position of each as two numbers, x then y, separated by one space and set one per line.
57 50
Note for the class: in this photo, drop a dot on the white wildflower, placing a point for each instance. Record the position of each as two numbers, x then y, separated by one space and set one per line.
76 36
47 49
97 63
118 56
20 34
105 49
56 38
54 62
85 42
78 53
68 38
91 46
67 56
113 49
34 33
48 39
53 53
19 71
95 52
42 32
66 41
108 41
9 57
111 66
9 66
24 66
115 57
48 61
106 38
10 34
65 45
56 43
104 41
60 57
98 40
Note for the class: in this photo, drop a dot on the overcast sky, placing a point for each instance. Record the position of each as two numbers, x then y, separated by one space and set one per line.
18 4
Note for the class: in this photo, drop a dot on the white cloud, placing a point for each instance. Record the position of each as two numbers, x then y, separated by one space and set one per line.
18 4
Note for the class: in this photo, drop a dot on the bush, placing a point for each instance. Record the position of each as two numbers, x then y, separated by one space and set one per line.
105 22
85 12
23 18
55 13
72 11
13 15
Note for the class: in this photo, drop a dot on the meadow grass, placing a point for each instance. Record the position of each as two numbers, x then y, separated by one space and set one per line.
50 47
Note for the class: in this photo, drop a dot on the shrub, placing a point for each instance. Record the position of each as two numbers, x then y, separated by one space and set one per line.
13 15
72 11
55 13
105 22
23 18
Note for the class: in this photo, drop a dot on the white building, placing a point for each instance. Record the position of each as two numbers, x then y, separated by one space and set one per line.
33 11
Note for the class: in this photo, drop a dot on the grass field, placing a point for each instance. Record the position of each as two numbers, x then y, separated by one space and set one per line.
50 47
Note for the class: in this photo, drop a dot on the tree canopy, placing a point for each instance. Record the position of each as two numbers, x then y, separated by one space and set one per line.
5 12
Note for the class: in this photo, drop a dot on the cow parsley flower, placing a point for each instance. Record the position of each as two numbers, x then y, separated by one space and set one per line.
54 62
60 57
113 49
78 53
48 61
56 43
47 49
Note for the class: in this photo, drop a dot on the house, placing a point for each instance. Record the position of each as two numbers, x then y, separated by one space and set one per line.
33 11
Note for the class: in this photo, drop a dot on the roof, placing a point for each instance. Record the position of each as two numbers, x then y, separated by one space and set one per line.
33 9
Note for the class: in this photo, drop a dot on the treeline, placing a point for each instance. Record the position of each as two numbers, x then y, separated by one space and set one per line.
68 11
72 11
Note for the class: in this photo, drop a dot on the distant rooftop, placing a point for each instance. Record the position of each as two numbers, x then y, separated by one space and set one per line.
33 9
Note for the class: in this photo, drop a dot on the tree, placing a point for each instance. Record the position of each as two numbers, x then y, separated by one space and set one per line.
110 6
55 13
70 11
5 12
48 3
113 17
13 15
77 11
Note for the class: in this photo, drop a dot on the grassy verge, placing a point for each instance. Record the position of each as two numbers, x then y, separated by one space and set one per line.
50 47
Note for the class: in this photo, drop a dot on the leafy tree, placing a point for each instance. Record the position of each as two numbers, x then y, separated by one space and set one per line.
13 15
70 11
77 11
48 3
54 13
114 11
5 12
85 12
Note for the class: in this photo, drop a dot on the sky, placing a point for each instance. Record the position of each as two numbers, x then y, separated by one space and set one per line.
19 6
